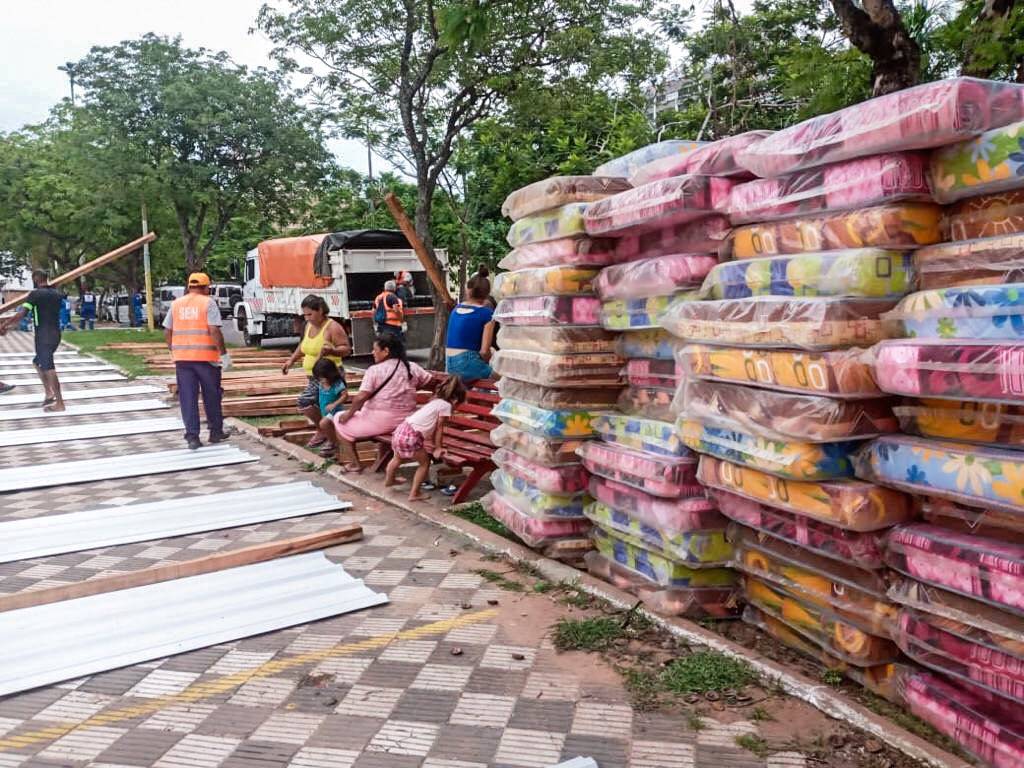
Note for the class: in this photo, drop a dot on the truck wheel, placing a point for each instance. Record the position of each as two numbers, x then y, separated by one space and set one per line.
250 339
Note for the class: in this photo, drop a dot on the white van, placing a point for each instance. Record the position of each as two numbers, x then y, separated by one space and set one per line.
163 297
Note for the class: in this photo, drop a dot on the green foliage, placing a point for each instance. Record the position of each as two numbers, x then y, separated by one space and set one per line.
593 634
754 744
706 671
832 677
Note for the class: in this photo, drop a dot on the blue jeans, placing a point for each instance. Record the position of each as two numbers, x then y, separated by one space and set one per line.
90 319
468 366
192 378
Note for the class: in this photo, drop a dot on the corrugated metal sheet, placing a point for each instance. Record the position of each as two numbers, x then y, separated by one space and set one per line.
85 394
30 355
21 370
33 380
104 527
118 406
111 467
578 762
46 644
87 431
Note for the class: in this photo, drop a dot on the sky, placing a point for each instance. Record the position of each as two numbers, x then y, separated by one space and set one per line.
37 37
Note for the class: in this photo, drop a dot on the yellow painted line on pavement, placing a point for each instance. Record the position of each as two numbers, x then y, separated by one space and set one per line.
210 688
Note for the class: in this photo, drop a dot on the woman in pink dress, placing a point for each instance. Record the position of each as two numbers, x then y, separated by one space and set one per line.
386 396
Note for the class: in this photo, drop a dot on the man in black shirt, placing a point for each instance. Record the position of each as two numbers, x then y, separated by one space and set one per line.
44 304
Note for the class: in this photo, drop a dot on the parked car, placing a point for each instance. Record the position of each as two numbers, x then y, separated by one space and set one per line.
118 309
162 299
227 295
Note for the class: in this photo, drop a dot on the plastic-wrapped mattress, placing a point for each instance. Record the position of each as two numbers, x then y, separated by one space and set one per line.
666 476
985 216
536 448
565 479
553 424
652 343
557 340
695 512
842 373
558 191
556 224
549 310
579 251
716 158
657 205
658 437
783 416
937 602
861 183
929 115
647 402
559 370
644 372
779 321
586 398
989 260
969 422
991 162
975 521
696 549
896 226
790 460
524 495
658 569
707 235
660 276
624 167
534 531
962 370
849 504
963 312
863 272
639 314
545 281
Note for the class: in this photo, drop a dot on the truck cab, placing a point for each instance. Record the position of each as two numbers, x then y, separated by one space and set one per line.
347 269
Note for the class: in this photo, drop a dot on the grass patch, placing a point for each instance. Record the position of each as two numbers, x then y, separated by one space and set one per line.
476 514
134 365
543 587
499 580
593 634
754 744
832 677
760 715
643 686
706 671
575 597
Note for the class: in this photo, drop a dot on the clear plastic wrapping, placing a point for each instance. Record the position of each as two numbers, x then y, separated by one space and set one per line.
983 569
977 476
863 550
545 281
779 321
639 314
987 523
964 653
925 116
989 260
658 569
716 158
964 421
991 162
962 312
556 224
553 424
579 251
942 603
856 596
969 370
707 235
985 216
860 183
658 437
657 205
864 272
694 512
559 191
841 373
984 725
565 479
645 372
696 549
790 460
535 532
559 370
557 340
652 343
666 476
550 453
783 416
820 626
896 226
689 603
849 504
660 276
624 167
586 398
549 310
532 500
648 402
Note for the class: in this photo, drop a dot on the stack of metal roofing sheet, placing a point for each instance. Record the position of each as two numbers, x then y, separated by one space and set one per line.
29 398
119 406
120 428
26 380
23 369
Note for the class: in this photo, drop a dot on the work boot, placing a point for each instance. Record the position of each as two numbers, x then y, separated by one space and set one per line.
193 442
218 437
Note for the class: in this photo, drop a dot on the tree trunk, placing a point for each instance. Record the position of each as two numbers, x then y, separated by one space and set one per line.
189 243
424 207
877 30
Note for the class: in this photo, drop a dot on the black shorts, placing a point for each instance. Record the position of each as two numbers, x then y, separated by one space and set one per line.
44 355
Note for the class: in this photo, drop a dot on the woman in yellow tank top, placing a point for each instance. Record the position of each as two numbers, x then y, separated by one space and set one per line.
321 337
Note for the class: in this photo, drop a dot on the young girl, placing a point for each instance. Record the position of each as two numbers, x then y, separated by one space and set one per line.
331 393
409 437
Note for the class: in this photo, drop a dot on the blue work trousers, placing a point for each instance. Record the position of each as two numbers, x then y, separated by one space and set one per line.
192 378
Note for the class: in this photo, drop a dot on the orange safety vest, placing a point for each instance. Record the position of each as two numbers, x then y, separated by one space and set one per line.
396 314
191 340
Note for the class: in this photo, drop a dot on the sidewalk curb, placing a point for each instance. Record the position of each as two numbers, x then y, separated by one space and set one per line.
822 697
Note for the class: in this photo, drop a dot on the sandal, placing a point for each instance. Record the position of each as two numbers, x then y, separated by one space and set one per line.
352 469
450 490
47 402
316 440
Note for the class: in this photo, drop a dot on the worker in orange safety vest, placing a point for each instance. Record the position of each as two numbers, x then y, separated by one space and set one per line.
192 329
389 312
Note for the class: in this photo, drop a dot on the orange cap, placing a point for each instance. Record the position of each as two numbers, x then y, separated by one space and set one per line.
198 280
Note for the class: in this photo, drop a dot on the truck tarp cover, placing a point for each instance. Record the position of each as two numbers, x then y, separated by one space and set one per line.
359 239
288 262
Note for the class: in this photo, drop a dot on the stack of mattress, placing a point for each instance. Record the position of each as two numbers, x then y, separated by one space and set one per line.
558 367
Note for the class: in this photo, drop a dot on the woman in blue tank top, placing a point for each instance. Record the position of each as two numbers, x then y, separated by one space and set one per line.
471 332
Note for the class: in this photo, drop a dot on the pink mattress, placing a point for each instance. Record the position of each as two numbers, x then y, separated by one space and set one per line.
973 370
534 531
656 206
707 235
549 310
985 569
877 180
717 158
625 166
645 372
558 191
922 117
660 276
568 478
696 513
662 476
579 251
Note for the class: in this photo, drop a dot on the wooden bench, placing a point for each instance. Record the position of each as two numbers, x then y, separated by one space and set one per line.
466 437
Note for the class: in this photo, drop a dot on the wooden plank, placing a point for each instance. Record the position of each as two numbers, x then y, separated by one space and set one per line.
218 562
429 265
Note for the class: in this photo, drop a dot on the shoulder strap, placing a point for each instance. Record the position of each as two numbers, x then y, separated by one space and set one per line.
398 364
